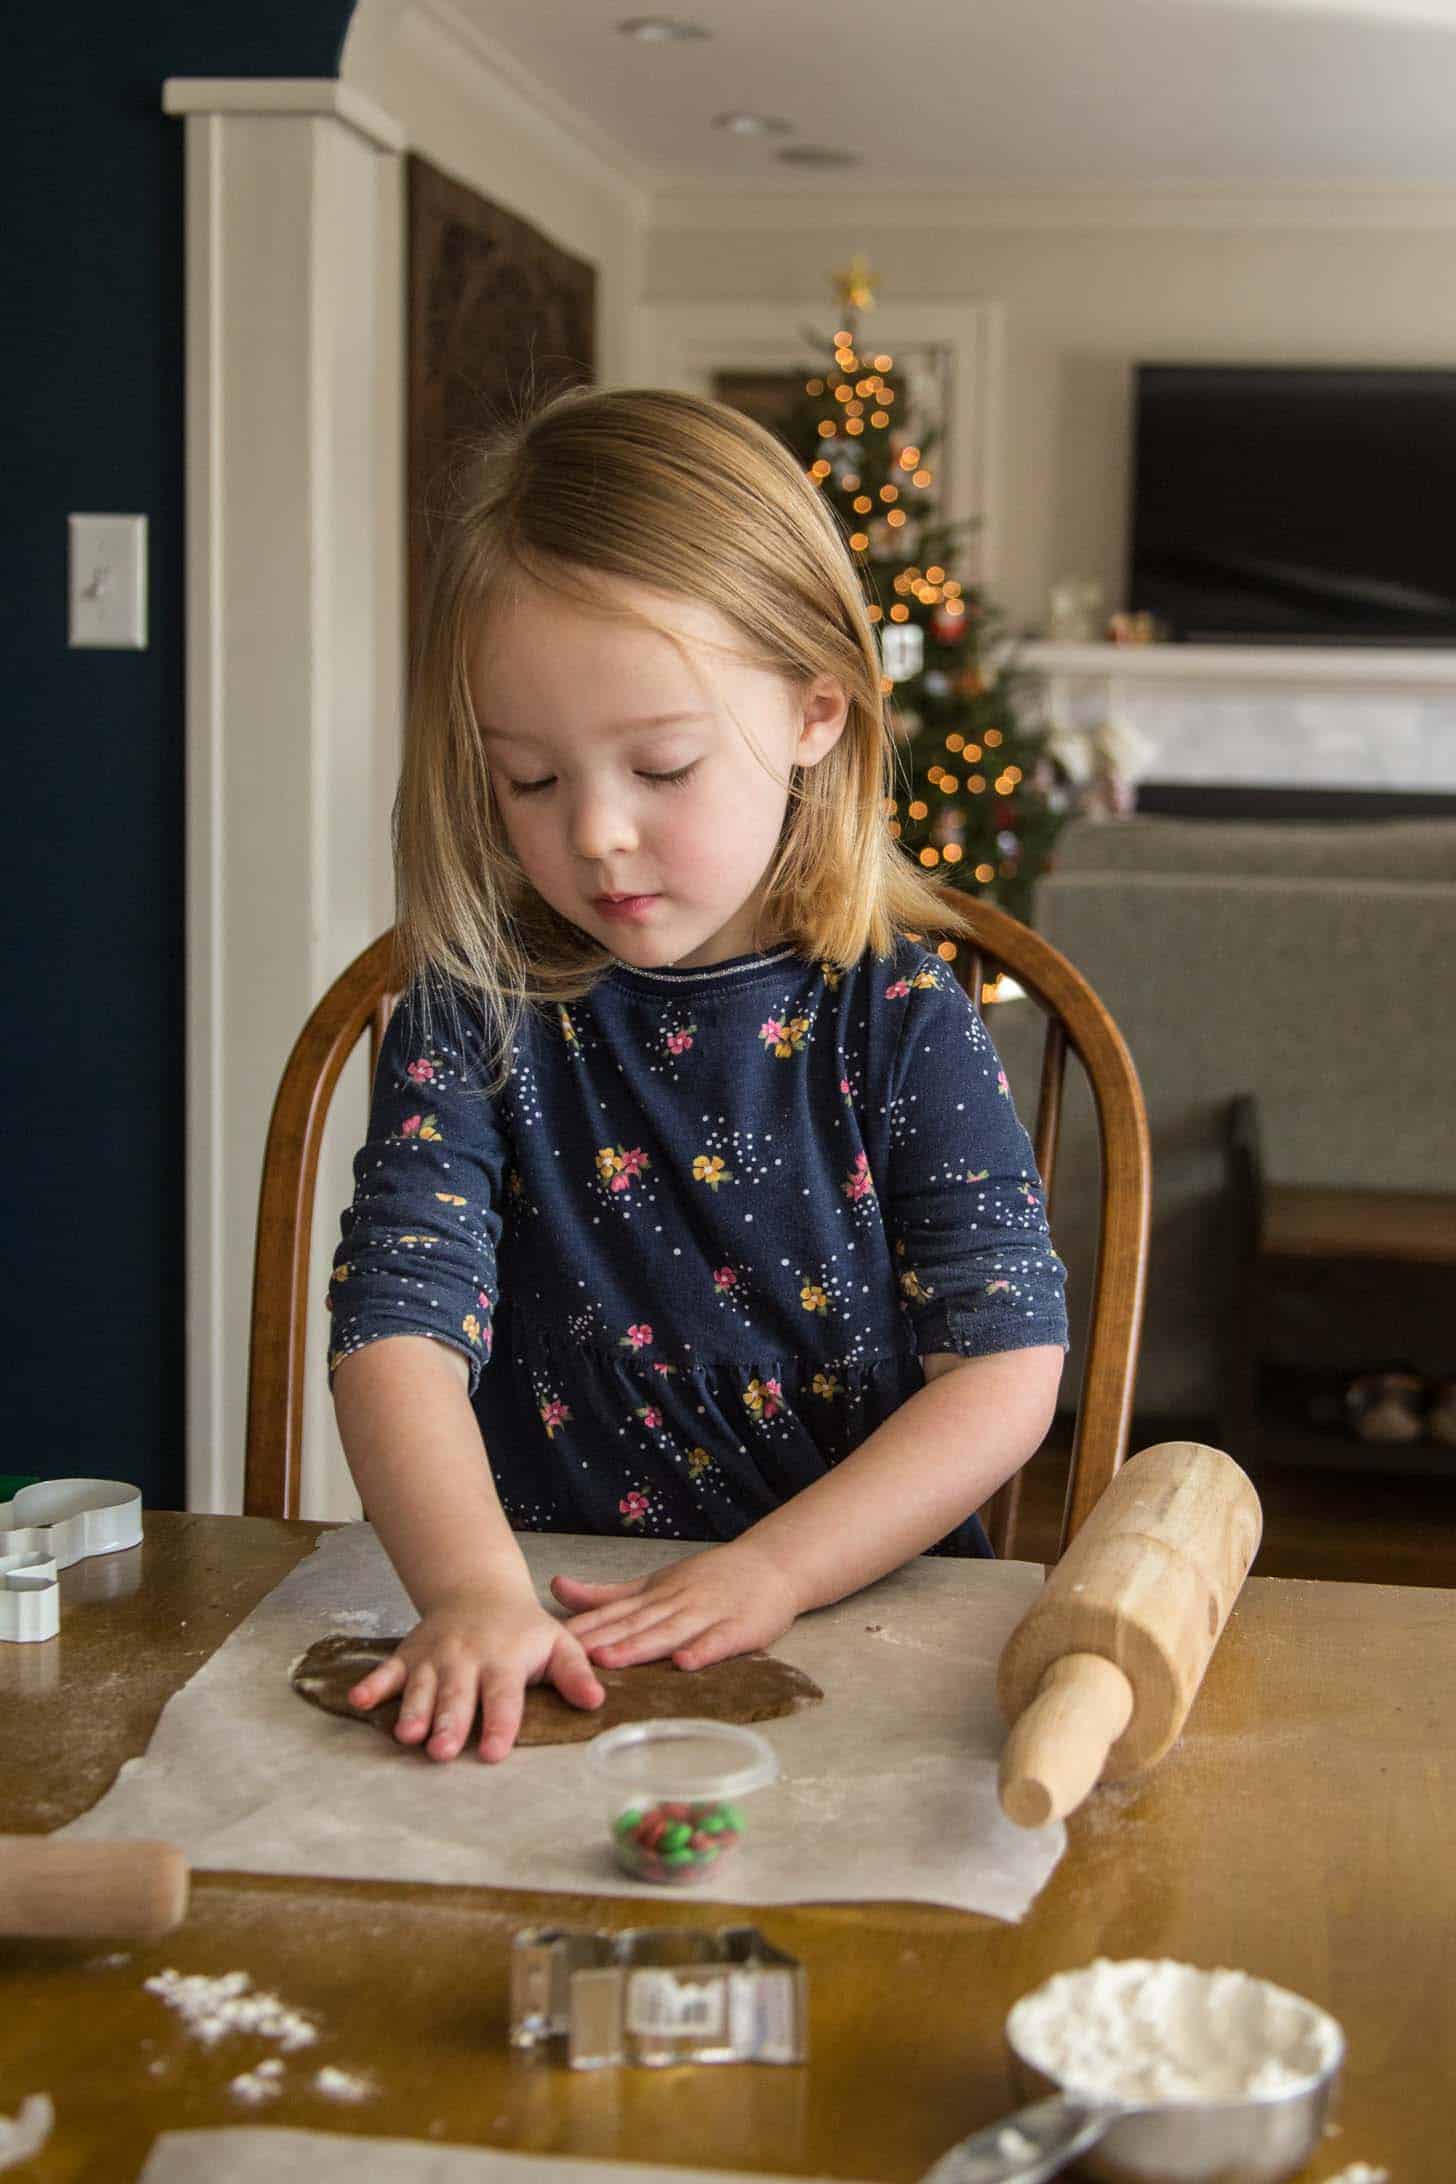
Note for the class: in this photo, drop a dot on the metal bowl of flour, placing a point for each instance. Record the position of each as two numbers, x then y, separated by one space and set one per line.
1257 2137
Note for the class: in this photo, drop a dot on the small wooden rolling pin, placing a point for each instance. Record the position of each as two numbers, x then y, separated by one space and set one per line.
1098 1677
133 1891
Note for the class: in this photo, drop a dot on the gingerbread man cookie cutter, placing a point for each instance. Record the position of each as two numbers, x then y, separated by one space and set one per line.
43 1531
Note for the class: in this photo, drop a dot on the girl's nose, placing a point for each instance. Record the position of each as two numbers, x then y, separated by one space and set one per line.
601 827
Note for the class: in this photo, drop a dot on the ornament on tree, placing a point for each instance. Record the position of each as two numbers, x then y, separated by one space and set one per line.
902 649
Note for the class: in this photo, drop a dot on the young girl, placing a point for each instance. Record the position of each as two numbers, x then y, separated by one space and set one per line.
694 1203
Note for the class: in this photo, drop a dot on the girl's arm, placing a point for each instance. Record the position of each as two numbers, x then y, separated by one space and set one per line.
941 1455
415 1451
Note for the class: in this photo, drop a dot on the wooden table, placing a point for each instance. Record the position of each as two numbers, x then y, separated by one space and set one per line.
1303 1830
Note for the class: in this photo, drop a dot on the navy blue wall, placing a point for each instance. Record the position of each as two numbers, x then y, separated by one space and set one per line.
92 1287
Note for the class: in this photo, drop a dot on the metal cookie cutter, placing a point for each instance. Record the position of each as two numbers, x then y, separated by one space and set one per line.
657 1995
43 1531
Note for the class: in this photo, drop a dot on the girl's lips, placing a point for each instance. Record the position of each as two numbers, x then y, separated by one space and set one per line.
623 905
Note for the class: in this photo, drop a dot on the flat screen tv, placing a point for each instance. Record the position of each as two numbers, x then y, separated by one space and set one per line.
1295 505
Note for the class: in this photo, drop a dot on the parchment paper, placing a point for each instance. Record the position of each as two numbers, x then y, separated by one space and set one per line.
249 2156
888 1790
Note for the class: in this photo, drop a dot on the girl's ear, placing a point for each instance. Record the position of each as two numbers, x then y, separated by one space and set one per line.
825 711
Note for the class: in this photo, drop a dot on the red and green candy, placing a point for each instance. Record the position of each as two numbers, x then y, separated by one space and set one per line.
674 1841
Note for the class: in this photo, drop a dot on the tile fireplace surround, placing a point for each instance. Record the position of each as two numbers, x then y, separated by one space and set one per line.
1266 718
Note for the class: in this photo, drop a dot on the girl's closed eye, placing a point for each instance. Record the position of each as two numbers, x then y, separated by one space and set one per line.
671 780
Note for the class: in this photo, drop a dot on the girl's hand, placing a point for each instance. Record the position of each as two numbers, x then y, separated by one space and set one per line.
707 1608
477 1648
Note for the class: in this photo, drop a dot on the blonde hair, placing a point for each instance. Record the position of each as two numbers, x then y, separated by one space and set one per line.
691 499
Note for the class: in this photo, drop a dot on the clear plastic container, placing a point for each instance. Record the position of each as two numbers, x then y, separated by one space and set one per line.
675 1792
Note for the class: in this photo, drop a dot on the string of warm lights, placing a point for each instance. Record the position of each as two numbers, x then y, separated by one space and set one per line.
984 816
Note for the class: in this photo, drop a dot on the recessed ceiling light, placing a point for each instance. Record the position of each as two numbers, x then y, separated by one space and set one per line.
660 29
753 124
818 155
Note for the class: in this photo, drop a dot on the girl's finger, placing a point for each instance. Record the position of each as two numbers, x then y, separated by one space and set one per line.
573 1675
719 1642
380 1683
655 1643
502 1702
588 1620
417 1706
572 1593
625 1622
454 1713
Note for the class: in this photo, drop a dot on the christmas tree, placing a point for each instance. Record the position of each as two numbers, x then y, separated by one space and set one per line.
984 801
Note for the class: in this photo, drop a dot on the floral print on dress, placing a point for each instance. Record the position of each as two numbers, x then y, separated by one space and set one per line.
619 1168
763 1398
860 1183
784 1038
756 1301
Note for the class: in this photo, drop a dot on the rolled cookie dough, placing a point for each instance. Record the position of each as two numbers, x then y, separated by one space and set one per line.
754 1687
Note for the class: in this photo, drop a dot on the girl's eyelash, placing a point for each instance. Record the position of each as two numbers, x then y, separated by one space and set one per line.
670 780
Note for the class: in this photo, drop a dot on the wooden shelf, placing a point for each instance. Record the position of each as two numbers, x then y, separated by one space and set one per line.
1415 1227
1273 1446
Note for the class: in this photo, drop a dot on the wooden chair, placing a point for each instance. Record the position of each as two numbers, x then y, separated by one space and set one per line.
362 999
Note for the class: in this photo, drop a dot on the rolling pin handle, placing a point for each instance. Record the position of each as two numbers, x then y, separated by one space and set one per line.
132 1890
1059 1747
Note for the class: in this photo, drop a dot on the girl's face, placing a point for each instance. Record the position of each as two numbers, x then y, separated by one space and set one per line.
621 770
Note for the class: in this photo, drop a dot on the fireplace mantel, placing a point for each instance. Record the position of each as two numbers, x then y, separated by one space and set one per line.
1264 716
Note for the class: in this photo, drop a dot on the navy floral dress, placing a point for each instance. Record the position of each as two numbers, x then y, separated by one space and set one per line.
696 1247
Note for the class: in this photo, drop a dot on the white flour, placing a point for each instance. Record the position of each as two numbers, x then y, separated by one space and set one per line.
26 2132
1360 2172
1153 2030
211 2008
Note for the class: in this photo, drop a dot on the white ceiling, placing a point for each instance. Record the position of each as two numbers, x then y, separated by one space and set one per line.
1028 94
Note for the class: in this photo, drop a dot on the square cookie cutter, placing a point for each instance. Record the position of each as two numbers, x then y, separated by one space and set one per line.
43 1531
656 1995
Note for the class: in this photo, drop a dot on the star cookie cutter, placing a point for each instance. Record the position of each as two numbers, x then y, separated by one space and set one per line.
43 1531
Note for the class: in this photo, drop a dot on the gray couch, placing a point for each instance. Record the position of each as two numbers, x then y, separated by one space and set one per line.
1312 964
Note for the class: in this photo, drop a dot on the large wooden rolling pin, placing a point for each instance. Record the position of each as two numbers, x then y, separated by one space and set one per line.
1098 1677
132 1891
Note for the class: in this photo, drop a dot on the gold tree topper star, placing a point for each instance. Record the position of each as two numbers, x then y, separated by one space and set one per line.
855 285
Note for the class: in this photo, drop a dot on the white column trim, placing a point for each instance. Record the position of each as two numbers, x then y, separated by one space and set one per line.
294 679
323 95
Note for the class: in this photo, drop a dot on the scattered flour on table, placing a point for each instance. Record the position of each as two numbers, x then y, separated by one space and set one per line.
24 2133
343 2085
211 2008
1153 2030
264 2082
1360 2172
